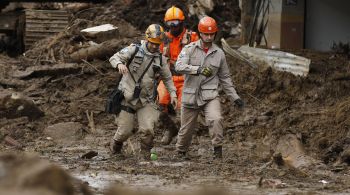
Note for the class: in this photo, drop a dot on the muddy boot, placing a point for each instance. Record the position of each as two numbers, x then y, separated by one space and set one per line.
116 147
168 137
218 152
172 129
146 146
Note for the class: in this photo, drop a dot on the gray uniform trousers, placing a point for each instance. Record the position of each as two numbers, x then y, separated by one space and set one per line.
213 118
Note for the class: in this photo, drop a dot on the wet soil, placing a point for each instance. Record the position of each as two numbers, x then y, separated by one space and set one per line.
315 108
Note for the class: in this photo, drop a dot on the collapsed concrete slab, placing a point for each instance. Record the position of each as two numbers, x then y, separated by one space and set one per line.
101 33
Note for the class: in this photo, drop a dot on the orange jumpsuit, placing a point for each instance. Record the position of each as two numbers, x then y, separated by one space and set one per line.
171 48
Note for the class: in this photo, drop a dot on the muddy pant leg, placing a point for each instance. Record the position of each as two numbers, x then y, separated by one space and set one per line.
125 126
212 111
188 123
147 117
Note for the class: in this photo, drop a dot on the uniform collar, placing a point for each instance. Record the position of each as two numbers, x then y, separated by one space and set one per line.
213 47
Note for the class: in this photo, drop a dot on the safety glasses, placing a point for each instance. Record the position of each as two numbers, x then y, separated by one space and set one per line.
173 23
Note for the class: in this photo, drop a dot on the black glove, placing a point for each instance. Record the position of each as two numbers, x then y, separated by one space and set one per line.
239 102
206 71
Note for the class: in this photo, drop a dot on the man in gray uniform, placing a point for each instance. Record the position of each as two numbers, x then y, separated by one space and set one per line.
204 65
139 87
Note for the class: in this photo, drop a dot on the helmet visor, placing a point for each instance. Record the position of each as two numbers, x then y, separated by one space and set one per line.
173 23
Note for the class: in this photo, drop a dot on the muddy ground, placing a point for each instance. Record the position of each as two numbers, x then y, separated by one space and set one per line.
315 109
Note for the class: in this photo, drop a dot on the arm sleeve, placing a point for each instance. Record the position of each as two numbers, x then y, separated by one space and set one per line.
122 56
182 65
226 81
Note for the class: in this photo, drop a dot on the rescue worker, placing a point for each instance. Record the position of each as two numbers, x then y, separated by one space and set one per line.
204 65
176 38
140 98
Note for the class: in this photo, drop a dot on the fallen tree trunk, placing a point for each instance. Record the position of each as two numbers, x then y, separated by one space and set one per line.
99 51
45 70
12 83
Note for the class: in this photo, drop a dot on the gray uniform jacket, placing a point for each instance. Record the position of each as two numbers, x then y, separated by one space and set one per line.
198 89
137 67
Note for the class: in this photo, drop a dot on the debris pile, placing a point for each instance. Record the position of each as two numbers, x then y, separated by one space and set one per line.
65 85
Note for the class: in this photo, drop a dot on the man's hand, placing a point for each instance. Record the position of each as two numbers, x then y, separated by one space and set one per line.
173 102
239 102
206 71
122 69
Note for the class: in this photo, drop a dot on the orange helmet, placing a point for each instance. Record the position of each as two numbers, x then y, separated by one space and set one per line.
174 13
207 25
155 33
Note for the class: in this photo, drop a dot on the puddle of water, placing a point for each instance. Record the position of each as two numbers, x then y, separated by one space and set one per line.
101 180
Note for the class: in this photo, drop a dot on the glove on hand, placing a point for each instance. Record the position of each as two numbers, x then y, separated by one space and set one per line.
206 71
239 103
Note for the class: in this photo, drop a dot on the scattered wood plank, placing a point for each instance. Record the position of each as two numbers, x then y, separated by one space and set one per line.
234 53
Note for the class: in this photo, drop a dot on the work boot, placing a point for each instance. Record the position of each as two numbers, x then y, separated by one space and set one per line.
116 147
146 146
171 131
218 152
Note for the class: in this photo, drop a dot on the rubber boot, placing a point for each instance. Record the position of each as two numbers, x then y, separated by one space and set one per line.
218 152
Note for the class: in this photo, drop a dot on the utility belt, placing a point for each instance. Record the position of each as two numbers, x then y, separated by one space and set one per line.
127 109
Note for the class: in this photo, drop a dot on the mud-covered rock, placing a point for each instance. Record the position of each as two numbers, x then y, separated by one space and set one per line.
65 133
15 105
22 173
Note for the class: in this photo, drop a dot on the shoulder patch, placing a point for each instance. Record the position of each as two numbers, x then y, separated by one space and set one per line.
125 50
183 53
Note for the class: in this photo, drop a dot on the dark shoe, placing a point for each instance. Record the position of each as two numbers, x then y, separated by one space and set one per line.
116 147
218 152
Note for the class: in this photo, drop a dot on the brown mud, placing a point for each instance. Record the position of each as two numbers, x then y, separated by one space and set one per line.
315 109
